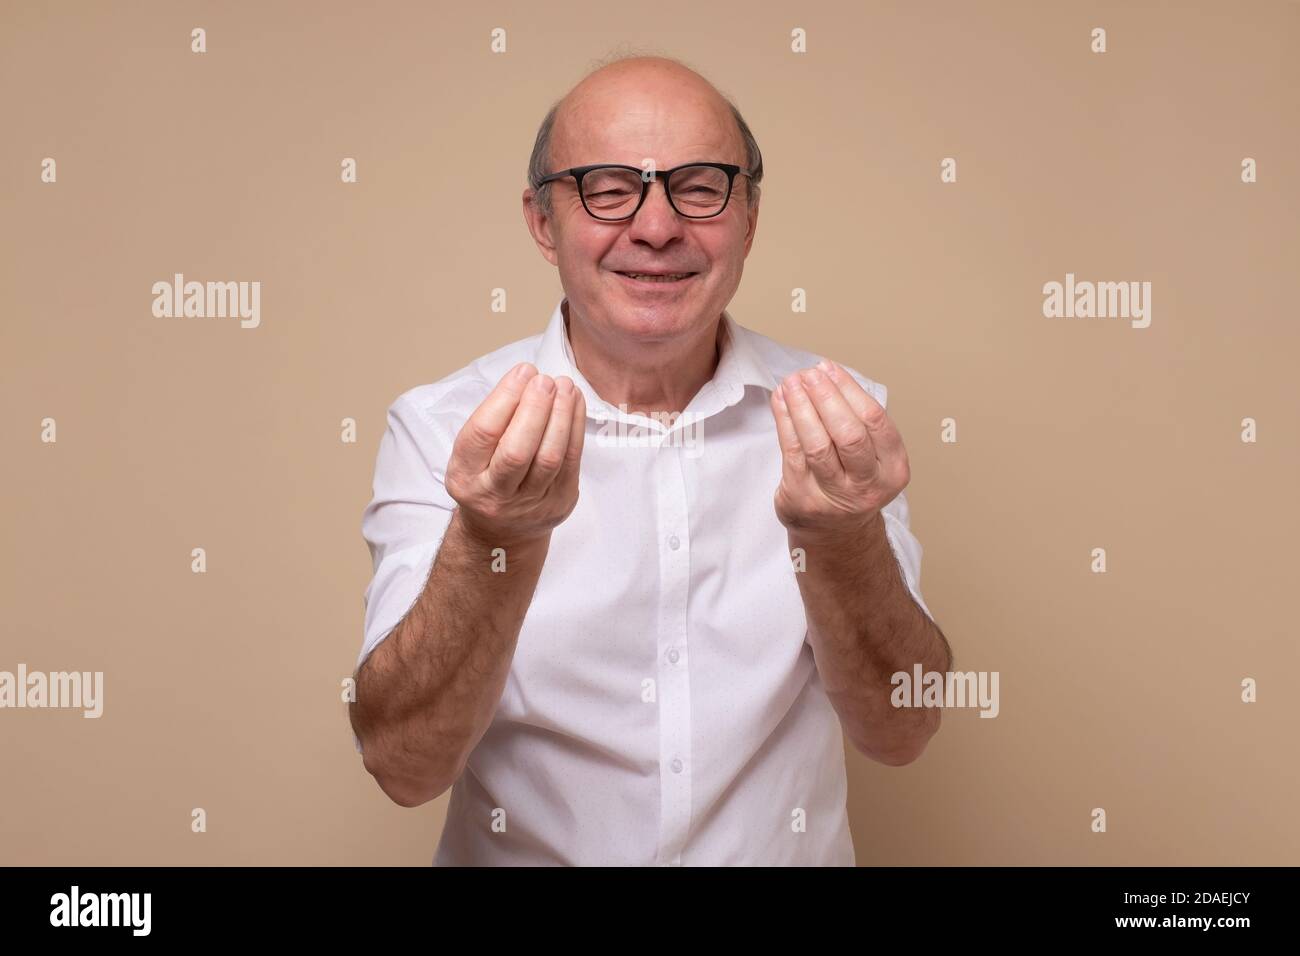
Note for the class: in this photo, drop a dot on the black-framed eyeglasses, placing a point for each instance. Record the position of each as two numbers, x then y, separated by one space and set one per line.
612 192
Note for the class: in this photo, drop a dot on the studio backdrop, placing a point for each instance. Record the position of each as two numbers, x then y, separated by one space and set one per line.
1063 235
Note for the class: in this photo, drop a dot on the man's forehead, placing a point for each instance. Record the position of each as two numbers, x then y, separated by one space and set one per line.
611 131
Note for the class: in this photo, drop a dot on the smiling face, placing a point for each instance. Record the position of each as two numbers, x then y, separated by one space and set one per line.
628 113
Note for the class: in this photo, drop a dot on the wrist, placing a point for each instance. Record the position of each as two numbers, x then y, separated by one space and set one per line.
488 539
854 531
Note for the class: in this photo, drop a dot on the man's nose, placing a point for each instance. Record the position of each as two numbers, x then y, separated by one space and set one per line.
656 222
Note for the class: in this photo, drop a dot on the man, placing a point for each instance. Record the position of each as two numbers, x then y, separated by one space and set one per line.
655 671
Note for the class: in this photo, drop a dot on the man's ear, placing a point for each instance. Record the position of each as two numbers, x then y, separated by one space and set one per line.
540 225
751 213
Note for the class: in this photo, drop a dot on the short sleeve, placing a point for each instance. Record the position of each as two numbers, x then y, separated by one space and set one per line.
407 517
906 546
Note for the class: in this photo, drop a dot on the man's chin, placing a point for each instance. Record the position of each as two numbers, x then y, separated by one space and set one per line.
653 320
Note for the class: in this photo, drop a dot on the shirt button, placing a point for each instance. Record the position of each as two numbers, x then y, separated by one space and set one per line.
676 765
674 543
673 656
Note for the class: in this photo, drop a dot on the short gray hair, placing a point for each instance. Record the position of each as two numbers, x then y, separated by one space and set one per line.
539 162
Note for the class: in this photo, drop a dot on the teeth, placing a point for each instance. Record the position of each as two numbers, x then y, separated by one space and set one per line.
667 278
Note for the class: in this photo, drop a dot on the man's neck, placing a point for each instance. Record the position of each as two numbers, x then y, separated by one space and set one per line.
645 377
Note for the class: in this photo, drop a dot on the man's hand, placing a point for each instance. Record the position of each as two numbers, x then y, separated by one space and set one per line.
842 459
514 465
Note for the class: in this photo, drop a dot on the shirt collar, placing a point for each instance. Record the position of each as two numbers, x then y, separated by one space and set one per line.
739 364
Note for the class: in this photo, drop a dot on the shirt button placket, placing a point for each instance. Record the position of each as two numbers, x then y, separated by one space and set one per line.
674 655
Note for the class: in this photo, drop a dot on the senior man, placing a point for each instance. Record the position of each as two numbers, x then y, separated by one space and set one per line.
661 670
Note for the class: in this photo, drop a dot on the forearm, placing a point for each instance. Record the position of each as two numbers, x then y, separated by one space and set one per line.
427 693
864 627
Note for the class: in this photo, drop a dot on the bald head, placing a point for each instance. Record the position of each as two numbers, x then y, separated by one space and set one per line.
626 107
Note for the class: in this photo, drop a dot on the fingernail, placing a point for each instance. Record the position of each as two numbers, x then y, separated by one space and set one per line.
812 376
523 371
563 385
826 367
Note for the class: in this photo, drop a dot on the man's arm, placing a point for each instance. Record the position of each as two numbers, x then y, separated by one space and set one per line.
427 693
864 627
842 462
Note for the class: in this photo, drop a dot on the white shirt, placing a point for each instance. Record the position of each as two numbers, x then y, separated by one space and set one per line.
662 705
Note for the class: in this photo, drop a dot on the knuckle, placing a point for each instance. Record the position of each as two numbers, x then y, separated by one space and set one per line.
511 459
819 452
477 434
548 461
855 441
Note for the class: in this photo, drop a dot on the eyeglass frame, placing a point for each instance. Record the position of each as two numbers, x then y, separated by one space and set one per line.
577 172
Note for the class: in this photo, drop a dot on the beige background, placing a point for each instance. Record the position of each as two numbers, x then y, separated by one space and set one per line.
1118 690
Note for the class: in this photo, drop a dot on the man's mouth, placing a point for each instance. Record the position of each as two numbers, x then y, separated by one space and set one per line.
660 277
